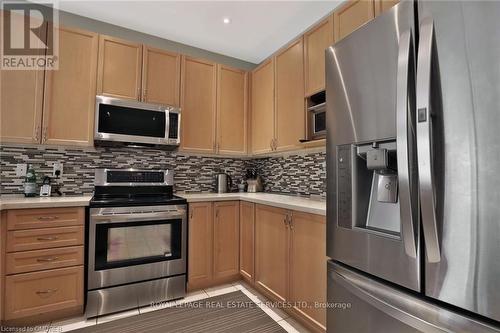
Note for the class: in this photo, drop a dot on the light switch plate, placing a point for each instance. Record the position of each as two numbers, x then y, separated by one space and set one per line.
21 169
57 166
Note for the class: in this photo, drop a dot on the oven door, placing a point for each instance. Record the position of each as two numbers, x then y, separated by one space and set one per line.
131 244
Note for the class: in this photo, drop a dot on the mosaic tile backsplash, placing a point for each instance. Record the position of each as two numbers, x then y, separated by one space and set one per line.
295 174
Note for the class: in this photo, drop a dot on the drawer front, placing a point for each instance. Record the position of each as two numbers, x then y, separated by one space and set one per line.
41 292
35 239
38 260
19 219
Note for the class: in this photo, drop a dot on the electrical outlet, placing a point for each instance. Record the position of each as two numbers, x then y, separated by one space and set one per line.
21 169
57 169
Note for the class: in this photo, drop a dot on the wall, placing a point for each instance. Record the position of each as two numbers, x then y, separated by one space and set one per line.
192 173
300 173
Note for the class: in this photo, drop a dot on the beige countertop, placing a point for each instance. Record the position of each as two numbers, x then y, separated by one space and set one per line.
314 206
19 202
303 204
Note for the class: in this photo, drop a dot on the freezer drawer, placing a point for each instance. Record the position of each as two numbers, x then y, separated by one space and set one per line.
362 305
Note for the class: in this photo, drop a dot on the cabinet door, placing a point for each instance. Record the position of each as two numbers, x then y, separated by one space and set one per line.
247 239
200 244
316 41
21 100
308 265
383 5
198 104
69 103
263 108
226 239
351 16
161 75
119 70
290 103
272 251
231 111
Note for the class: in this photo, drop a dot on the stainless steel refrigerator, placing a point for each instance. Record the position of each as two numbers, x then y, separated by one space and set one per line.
413 169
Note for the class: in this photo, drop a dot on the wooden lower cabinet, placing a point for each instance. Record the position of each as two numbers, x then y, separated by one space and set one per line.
36 294
226 239
247 240
213 243
41 264
200 244
272 240
308 266
290 262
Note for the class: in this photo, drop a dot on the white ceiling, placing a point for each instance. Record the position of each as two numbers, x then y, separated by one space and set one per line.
257 28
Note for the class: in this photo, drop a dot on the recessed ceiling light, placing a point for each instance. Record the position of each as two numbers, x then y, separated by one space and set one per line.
226 20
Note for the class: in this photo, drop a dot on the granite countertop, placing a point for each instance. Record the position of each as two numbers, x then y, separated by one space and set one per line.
304 204
19 201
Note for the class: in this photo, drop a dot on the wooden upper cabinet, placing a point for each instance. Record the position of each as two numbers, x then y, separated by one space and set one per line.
231 110
316 41
161 74
351 16
69 103
226 239
272 251
21 100
290 103
263 108
247 238
383 5
308 265
198 104
119 69
200 244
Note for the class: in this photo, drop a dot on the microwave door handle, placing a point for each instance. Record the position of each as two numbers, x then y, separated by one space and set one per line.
404 140
424 141
167 124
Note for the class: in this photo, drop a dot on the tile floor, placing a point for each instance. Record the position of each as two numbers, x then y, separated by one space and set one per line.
281 317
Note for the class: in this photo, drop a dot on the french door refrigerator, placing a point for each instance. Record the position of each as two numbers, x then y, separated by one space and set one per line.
413 161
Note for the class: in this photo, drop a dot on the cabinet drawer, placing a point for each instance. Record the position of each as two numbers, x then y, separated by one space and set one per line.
19 219
37 293
38 260
24 240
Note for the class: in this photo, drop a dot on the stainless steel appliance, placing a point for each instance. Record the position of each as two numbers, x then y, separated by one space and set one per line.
317 121
132 122
413 160
223 182
137 237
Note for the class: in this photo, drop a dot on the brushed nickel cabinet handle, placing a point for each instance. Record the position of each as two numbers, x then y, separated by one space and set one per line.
50 259
47 218
217 213
37 137
290 220
47 291
50 238
191 215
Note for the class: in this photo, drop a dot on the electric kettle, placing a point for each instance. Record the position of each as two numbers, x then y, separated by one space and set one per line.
223 182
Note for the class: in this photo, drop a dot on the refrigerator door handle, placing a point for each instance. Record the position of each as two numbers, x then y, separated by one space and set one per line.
404 104
424 141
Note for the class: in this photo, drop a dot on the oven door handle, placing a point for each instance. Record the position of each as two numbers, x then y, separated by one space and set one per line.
136 217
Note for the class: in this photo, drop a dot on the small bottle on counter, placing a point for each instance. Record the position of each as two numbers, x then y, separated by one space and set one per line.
30 182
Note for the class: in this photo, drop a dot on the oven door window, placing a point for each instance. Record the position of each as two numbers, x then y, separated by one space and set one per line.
136 243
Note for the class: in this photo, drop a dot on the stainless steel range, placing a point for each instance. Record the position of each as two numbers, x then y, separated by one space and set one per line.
136 241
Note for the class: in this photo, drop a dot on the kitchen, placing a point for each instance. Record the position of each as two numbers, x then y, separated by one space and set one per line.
299 178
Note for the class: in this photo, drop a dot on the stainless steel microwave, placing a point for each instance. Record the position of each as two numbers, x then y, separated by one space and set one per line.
132 122
317 121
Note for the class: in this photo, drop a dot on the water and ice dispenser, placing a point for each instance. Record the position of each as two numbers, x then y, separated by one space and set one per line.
367 187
